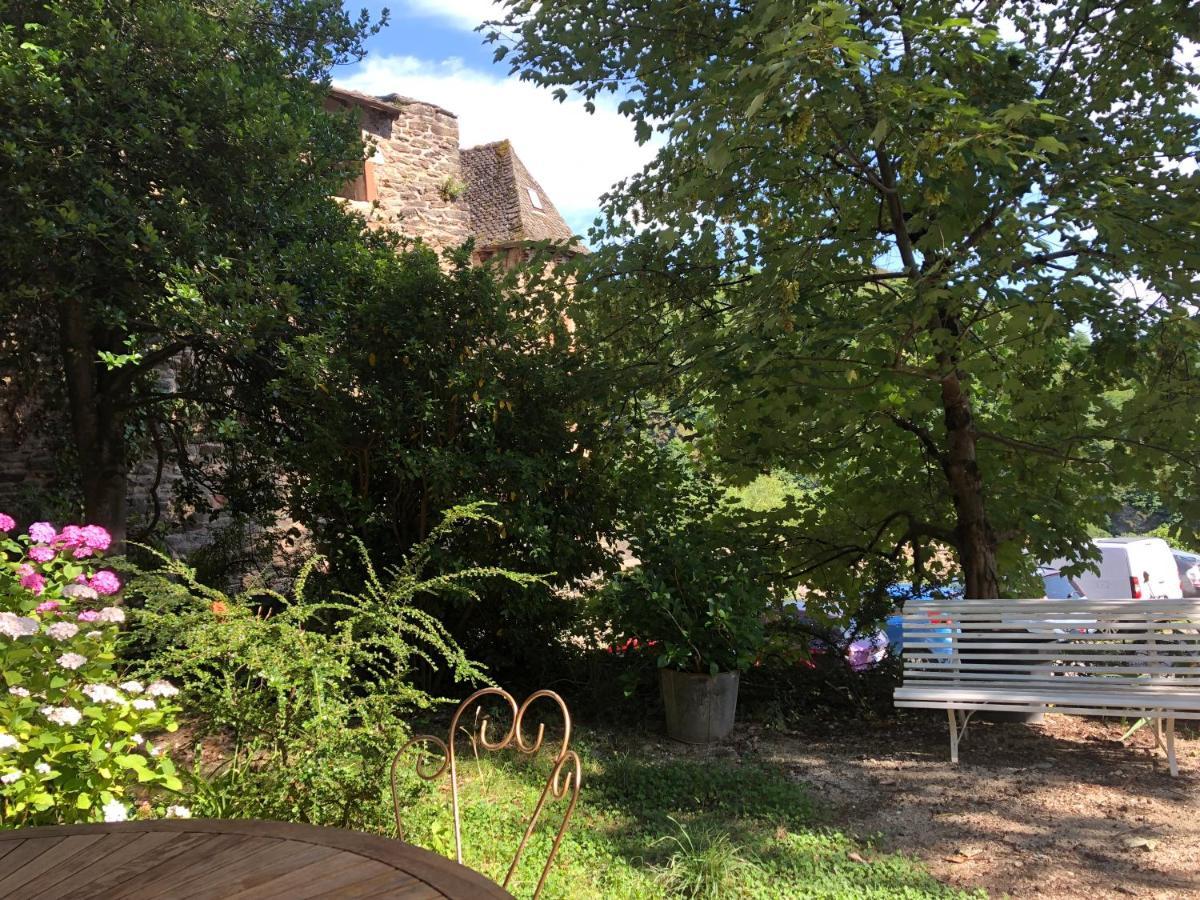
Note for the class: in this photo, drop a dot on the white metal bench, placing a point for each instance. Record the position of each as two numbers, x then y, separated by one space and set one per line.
1130 658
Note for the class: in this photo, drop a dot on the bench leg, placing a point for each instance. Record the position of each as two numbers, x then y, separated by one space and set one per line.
1172 762
957 730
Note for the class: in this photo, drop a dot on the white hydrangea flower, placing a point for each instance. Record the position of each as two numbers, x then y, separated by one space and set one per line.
63 631
62 715
102 693
115 811
161 689
71 660
12 776
15 626
7 742
153 750
112 614
131 687
80 592
42 768
19 691
137 739
94 635
178 812
143 703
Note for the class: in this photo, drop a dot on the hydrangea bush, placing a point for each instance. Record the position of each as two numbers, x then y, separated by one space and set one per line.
72 745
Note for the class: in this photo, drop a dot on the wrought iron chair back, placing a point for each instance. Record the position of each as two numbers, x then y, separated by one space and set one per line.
563 780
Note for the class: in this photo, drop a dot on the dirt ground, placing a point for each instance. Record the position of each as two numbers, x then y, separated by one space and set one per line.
1057 810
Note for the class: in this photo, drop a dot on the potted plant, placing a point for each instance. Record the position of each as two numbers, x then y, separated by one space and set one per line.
695 594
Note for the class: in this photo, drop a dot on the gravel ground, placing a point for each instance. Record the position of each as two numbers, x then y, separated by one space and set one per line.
1057 810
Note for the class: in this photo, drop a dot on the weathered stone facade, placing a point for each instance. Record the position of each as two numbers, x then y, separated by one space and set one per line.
414 173
419 182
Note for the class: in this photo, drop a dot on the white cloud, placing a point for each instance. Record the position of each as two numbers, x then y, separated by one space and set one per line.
462 13
575 156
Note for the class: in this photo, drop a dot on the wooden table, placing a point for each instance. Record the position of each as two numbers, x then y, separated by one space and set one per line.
224 859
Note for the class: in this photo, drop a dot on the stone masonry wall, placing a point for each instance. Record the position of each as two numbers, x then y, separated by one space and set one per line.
416 166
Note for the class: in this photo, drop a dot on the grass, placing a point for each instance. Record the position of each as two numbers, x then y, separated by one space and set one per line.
651 827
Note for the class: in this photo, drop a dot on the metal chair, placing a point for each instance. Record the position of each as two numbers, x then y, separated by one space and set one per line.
563 780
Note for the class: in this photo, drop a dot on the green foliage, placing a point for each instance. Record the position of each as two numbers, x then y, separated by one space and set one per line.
405 388
73 735
306 698
149 189
928 269
702 581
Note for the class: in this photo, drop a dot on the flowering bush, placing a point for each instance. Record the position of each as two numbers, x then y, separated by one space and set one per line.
71 731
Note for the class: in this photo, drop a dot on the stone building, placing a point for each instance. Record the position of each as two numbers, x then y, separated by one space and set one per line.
418 182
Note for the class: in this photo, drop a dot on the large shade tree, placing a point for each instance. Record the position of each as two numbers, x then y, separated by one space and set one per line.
155 156
938 259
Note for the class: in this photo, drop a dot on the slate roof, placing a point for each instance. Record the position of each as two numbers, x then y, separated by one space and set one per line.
502 207
392 104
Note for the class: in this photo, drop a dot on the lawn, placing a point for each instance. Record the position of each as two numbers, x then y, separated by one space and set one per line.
652 826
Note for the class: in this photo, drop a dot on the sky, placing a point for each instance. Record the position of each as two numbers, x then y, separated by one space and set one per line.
431 52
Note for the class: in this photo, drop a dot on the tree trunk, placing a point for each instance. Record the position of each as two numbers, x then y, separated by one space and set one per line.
977 542
97 424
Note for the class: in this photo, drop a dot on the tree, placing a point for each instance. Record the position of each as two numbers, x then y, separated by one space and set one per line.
156 156
937 258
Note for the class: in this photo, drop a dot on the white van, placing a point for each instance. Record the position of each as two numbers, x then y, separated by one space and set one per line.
1137 568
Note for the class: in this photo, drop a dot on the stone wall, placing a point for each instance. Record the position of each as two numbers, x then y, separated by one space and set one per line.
416 169
29 463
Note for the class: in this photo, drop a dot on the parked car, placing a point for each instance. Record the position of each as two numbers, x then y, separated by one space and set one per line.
1135 568
1189 572
903 592
1058 586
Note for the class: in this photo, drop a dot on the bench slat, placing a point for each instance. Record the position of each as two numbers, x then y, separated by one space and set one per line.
1091 646
1189 700
1063 653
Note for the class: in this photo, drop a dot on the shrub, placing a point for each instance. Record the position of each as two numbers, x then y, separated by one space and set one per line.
703 579
306 697
72 733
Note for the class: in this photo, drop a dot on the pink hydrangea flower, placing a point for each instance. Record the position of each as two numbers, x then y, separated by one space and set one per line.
42 533
88 615
112 614
71 660
47 606
6 522
95 537
105 582
30 580
41 554
70 535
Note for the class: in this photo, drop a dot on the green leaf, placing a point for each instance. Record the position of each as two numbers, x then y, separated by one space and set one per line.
880 132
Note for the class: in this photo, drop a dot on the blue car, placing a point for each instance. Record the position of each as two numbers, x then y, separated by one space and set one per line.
903 592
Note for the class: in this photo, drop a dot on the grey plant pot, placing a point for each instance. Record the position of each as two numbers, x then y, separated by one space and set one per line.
700 708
